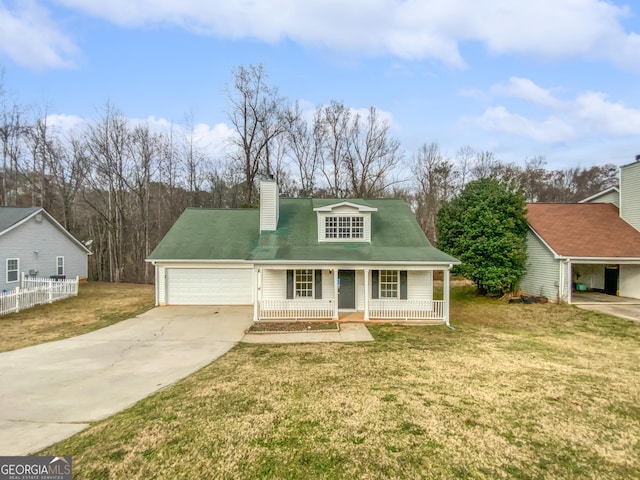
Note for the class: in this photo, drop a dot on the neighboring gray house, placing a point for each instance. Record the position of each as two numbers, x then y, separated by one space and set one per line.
34 243
593 244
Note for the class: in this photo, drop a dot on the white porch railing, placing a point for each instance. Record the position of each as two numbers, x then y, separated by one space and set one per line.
406 309
36 291
293 309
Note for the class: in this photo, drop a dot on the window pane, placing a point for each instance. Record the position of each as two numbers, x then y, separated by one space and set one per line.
304 283
331 227
357 227
344 227
388 284
12 270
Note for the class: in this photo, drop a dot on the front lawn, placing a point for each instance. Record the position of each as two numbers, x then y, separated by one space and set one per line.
98 305
517 391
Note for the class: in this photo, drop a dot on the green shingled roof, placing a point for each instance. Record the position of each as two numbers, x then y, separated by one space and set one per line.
204 234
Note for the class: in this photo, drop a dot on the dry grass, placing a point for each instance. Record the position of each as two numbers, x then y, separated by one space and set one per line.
97 305
517 391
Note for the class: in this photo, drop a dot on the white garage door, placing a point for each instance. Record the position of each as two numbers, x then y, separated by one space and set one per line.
209 286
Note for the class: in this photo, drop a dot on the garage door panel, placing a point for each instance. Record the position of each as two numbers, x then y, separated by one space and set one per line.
209 286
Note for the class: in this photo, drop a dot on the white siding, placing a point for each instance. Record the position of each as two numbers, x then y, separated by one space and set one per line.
542 275
591 275
327 285
274 284
630 194
269 206
630 281
36 245
609 197
419 285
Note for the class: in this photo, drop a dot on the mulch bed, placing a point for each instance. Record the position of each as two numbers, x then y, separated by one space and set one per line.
293 327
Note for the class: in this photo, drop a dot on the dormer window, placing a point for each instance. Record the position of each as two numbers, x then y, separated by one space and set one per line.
340 227
344 222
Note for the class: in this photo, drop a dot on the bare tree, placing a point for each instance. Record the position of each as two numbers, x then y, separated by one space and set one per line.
13 130
304 143
107 147
195 161
332 127
255 115
372 154
435 178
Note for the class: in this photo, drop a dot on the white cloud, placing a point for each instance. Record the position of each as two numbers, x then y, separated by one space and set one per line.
214 140
527 90
550 130
588 114
65 123
411 29
31 39
600 116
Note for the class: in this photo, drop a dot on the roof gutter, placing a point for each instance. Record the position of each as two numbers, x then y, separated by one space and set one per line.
600 260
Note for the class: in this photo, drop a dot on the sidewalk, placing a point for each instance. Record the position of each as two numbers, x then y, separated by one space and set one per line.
349 332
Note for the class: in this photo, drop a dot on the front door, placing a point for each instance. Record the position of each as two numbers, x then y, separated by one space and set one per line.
347 289
611 280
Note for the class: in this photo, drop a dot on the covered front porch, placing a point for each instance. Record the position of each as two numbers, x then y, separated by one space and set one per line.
351 293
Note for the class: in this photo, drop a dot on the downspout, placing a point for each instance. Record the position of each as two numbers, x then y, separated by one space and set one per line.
157 288
445 293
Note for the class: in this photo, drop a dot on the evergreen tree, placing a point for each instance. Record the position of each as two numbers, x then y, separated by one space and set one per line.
485 227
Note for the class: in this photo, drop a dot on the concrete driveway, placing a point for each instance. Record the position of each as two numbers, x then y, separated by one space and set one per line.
627 311
51 391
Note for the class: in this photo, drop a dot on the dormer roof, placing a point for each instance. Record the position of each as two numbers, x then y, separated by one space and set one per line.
356 206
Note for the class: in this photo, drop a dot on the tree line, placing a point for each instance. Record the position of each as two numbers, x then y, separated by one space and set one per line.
119 185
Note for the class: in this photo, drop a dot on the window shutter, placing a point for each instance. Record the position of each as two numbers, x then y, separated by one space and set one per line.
374 283
289 284
318 280
403 284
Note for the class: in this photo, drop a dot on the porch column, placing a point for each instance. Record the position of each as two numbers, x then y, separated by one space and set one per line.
335 294
445 295
570 267
257 279
366 294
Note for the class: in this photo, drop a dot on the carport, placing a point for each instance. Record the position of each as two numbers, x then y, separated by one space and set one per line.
604 280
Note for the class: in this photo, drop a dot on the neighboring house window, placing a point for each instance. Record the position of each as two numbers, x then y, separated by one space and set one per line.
304 284
344 227
388 284
13 265
60 265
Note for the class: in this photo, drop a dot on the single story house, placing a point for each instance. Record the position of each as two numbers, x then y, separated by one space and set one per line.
592 244
304 258
33 243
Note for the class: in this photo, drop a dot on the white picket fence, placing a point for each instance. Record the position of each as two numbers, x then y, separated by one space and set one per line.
36 291
296 309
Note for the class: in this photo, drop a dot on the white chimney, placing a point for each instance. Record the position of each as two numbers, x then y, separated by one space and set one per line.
269 206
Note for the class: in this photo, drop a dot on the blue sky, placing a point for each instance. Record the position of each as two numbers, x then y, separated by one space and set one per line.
557 78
